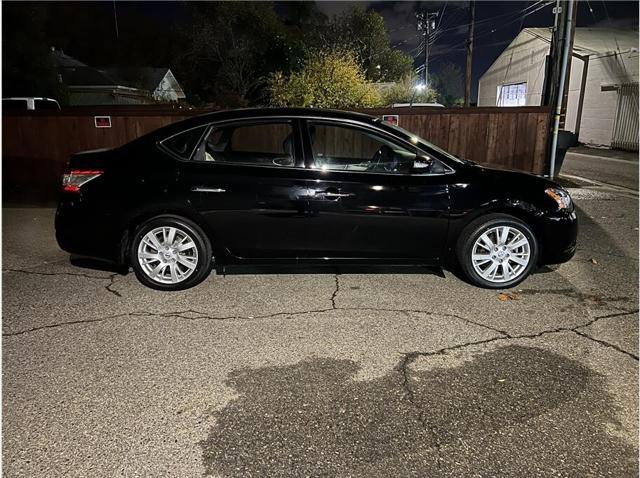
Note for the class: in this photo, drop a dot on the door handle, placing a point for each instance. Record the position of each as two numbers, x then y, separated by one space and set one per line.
200 189
333 193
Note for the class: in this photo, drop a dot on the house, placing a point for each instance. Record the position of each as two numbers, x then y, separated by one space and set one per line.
602 105
160 82
115 86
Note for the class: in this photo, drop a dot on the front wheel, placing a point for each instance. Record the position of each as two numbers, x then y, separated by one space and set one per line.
497 251
170 253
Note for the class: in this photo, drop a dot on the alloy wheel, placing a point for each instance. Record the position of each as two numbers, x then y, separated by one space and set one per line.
501 254
167 255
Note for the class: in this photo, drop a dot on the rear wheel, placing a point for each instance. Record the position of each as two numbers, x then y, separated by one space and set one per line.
497 251
170 253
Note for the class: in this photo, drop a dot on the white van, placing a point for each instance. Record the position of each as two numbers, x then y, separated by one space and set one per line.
29 104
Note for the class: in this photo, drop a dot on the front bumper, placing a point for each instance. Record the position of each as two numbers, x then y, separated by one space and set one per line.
558 234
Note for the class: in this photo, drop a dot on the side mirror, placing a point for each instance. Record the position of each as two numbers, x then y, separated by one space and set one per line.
421 163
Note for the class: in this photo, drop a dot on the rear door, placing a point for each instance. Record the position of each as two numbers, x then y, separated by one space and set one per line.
246 179
366 202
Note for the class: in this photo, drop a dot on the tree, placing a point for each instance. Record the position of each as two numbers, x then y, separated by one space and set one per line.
449 82
404 91
231 48
28 68
328 80
365 34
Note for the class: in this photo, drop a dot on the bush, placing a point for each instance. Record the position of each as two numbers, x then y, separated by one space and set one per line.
404 91
327 80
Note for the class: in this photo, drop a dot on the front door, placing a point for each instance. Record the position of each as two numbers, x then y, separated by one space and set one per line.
247 180
365 201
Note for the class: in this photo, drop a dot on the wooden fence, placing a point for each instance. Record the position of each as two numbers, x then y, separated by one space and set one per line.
37 146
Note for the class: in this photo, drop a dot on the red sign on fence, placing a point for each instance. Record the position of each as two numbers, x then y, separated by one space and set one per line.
102 121
391 119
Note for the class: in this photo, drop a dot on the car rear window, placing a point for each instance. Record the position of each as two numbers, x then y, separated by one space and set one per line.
183 144
265 143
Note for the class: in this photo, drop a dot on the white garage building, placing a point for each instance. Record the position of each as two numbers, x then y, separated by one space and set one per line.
602 107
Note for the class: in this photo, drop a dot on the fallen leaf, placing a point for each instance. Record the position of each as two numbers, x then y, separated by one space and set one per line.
504 296
593 261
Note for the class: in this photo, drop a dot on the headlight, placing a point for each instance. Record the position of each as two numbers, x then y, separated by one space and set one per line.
560 196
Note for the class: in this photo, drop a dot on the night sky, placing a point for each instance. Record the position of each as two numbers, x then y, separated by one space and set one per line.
497 24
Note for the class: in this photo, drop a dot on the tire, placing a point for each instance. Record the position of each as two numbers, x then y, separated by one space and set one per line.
505 267
172 269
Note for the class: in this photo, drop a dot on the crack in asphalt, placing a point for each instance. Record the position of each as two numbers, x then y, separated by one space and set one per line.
62 324
112 282
111 278
409 358
605 343
335 292
418 311
75 274
202 316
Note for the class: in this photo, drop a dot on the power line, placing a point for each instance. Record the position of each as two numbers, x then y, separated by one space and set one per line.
521 19
490 19
426 24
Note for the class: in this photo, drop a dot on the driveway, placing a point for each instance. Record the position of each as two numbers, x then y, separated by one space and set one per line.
617 168
347 372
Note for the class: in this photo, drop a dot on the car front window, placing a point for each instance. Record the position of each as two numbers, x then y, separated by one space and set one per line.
415 139
344 148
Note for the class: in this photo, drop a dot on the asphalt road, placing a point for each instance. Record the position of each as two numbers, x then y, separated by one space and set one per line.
354 372
615 169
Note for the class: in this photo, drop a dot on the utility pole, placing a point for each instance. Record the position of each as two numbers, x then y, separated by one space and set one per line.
570 37
115 20
426 24
467 85
565 58
554 59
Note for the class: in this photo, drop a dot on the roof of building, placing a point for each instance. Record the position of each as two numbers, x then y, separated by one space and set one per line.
65 61
76 73
141 77
588 41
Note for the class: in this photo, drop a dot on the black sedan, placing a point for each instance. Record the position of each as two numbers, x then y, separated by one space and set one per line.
305 186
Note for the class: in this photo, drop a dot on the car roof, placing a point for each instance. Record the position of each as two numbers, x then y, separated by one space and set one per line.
25 98
292 112
256 113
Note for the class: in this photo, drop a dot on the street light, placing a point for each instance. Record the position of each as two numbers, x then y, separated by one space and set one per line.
417 87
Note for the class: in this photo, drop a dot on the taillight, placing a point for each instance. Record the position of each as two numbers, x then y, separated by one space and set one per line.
74 179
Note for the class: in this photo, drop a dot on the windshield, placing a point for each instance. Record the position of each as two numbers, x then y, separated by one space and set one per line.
418 140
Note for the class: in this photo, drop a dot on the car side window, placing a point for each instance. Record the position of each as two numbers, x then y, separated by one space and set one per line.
344 148
258 144
183 144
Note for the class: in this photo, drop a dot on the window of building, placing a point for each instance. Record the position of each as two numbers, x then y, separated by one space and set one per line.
512 95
